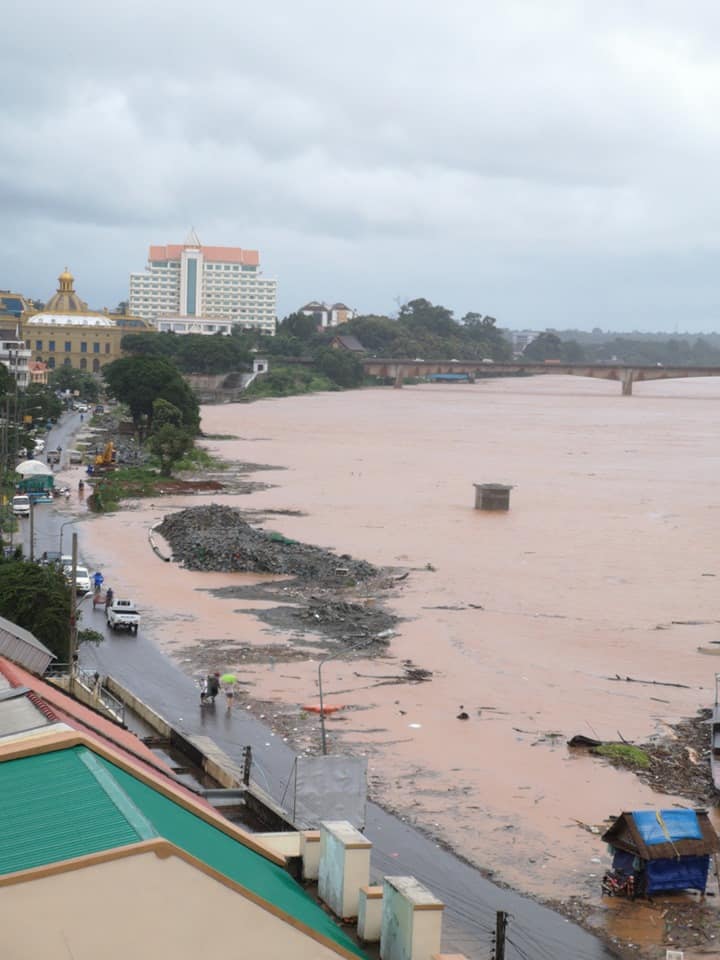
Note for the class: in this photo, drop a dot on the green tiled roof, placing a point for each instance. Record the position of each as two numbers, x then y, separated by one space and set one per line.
69 803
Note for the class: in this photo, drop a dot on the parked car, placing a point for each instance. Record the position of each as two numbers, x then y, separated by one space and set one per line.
82 578
123 615
487 360
21 506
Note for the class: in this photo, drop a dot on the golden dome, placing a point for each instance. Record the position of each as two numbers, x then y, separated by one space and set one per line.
65 300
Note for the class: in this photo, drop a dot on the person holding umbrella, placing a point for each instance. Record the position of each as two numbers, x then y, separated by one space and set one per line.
228 680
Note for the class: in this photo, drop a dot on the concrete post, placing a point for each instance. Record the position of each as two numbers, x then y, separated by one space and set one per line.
411 920
399 377
627 382
344 867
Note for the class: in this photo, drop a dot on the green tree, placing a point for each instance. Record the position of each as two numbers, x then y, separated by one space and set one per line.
68 378
547 346
169 444
37 598
7 381
298 325
434 319
165 413
41 403
139 381
376 333
341 367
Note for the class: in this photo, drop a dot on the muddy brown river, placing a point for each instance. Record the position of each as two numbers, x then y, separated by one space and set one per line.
605 564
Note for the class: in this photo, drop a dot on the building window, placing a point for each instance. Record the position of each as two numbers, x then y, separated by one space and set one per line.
67 362
68 346
107 348
51 363
83 347
83 364
96 348
96 366
38 344
51 347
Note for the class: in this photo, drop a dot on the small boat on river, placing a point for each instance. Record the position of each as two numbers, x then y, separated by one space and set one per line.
715 736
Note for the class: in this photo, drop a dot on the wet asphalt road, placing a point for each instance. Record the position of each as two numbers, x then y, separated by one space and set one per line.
398 849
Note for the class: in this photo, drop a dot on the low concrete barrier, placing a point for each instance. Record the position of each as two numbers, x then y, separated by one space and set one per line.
145 712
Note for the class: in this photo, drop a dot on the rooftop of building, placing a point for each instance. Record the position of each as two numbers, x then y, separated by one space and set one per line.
173 251
65 799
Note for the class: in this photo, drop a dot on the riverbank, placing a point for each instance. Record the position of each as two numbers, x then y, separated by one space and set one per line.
521 618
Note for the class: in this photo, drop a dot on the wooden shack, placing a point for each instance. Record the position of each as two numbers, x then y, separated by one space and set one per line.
663 849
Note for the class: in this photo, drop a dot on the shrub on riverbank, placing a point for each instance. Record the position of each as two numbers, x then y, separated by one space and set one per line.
289 381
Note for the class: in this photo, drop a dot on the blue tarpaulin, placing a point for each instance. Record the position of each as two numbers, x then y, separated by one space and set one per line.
678 825
687 873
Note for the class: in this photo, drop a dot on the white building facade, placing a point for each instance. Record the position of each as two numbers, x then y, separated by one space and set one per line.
328 315
15 355
208 283
194 325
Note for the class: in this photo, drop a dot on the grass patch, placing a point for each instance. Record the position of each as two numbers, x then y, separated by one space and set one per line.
623 754
123 484
199 459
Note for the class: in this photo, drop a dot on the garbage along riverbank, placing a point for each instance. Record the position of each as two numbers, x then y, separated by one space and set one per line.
520 618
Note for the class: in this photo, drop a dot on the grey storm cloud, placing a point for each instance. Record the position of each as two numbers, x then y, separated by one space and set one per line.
552 164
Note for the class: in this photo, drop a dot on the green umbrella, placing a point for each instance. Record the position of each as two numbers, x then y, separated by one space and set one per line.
228 678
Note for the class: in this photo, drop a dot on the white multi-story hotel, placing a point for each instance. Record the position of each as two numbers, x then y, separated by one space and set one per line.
210 283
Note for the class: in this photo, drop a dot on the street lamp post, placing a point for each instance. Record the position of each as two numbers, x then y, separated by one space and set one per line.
62 527
73 615
321 664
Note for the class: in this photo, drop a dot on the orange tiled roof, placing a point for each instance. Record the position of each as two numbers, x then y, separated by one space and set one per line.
172 251
87 721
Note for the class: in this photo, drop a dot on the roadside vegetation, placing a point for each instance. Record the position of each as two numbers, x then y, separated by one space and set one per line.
37 597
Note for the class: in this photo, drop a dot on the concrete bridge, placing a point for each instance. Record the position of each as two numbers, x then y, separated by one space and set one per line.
397 370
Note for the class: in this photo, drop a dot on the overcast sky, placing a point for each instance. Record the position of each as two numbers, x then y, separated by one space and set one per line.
550 163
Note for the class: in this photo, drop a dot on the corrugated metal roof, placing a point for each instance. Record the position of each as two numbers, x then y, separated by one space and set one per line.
21 646
52 808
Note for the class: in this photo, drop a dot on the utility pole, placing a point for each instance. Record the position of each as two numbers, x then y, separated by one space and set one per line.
501 921
32 529
73 616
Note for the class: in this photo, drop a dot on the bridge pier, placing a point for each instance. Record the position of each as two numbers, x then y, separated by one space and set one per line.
627 379
399 377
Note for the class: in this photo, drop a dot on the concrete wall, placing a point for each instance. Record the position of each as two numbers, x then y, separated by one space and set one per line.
143 906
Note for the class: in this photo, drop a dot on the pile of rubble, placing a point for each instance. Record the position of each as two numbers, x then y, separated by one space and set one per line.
681 764
217 538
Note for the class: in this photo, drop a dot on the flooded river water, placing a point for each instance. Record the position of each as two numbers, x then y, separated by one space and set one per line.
606 564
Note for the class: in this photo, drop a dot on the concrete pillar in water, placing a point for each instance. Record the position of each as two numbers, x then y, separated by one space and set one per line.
399 377
627 381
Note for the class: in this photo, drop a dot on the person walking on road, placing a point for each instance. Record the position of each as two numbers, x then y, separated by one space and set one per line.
228 681
98 579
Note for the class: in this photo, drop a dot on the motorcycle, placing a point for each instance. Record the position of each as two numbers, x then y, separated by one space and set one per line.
207 693
619 885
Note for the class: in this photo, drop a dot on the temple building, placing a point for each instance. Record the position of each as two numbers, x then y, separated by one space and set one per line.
67 333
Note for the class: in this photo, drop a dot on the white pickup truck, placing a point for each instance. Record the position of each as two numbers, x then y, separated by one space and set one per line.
123 615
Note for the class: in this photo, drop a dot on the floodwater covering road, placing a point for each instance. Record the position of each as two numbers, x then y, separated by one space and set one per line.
398 848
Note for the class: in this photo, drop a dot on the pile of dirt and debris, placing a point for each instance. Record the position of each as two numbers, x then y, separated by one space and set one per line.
342 621
681 764
217 538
